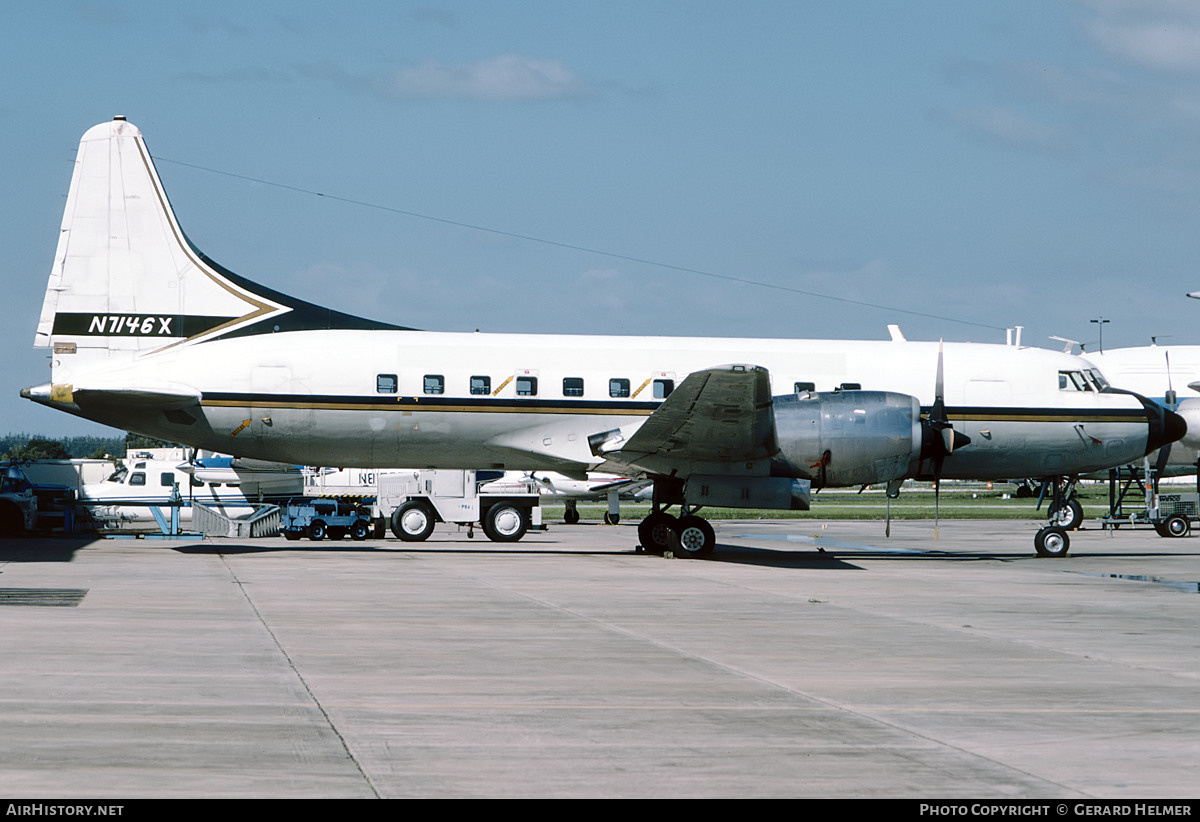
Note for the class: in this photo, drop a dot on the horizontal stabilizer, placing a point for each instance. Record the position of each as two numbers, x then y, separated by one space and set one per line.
156 398
162 397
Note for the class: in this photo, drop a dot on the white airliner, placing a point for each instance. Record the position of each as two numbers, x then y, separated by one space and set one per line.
149 334
1169 375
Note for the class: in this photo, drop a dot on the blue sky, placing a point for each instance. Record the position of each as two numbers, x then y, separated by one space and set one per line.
960 167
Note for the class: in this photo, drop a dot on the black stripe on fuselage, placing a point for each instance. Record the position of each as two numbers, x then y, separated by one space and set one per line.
535 405
509 405
1021 414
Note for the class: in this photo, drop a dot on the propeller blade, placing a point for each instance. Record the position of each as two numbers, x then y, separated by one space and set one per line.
1171 399
939 384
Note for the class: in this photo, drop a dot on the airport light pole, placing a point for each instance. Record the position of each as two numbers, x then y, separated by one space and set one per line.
1100 321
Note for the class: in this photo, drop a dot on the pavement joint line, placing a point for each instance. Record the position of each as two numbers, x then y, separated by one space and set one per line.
300 677
771 683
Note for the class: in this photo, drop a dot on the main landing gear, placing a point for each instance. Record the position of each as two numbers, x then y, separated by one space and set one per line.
688 535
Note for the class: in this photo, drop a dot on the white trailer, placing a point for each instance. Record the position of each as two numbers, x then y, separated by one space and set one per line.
414 501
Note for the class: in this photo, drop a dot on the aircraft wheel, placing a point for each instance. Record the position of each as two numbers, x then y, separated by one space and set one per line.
696 537
1069 517
359 530
11 521
316 530
611 519
571 516
412 521
1051 541
505 523
655 532
1176 526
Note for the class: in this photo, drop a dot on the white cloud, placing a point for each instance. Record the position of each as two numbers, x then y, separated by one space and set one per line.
1160 34
1172 46
1006 126
507 78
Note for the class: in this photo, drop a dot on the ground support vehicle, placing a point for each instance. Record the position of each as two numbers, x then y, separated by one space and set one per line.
1135 500
413 502
18 504
320 518
1171 511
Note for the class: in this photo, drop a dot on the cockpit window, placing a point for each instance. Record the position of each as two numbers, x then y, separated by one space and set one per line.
1098 379
1073 381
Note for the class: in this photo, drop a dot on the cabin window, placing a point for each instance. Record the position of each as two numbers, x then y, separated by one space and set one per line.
801 387
663 389
618 387
386 384
526 386
481 385
138 478
166 479
572 386
435 384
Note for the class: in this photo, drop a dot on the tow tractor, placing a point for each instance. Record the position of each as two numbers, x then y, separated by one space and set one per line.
413 502
320 518
18 505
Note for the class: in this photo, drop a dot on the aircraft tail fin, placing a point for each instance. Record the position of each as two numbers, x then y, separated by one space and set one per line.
127 279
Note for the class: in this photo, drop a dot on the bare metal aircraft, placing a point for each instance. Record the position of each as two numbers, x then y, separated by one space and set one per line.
149 334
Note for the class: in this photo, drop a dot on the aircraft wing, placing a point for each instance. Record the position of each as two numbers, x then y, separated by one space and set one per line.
714 418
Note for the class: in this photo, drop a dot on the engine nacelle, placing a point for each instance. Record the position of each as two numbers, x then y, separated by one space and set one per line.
848 438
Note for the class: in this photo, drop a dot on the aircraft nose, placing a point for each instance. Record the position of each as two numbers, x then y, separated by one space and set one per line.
1165 426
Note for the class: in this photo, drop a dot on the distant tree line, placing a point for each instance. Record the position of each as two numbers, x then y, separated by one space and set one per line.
38 447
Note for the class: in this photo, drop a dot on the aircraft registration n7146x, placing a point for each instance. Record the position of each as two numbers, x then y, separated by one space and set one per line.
148 334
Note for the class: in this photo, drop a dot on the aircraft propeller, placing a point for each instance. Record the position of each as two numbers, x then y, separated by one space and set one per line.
1164 453
939 439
